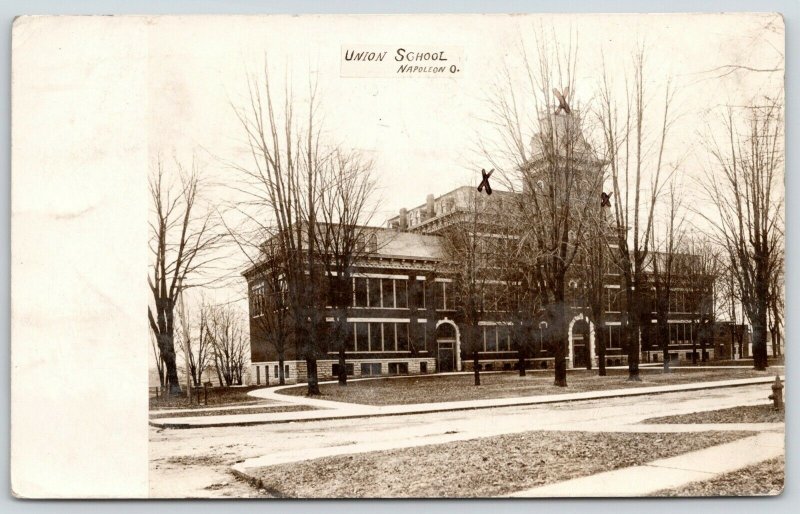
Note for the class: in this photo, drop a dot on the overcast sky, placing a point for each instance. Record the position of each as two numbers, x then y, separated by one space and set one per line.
421 132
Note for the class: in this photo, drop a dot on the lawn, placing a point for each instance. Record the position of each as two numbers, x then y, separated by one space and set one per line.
448 388
766 478
217 397
478 467
744 414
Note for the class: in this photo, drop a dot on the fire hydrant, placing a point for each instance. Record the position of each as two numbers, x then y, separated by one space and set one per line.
777 394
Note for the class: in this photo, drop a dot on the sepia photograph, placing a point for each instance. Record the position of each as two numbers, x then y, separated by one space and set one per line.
456 256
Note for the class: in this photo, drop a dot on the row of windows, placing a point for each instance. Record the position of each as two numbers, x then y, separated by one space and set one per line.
386 293
390 293
679 333
496 338
377 337
679 301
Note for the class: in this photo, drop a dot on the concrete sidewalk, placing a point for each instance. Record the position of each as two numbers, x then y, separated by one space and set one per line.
329 410
668 473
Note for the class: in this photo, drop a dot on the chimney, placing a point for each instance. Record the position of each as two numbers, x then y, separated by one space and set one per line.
430 211
403 220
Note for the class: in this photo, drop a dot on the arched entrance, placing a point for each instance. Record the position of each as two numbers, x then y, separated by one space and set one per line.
448 346
581 342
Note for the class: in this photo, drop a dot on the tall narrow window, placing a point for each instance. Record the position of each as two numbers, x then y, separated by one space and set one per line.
389 341
387 284
374 285
362 337
419 294
401 293
350 338
491 339
439 290
360 286
402 337
375 337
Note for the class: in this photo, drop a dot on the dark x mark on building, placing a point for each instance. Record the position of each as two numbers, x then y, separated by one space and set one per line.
404 317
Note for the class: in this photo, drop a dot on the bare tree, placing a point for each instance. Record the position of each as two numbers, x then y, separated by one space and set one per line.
282 190
632 148
744 186
554 176
183 239
468 261
195 340
730 303
665 260
776 306
228 343
593 267
162 378
270 308
700 269
344 213
517 295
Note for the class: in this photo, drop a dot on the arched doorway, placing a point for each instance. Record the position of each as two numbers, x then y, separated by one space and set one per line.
581 342
448 346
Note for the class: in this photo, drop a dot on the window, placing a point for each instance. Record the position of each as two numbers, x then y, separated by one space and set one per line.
375 338
614 337
421 338
374 286
503 338
257 294
490 339
401 294
373 243
387 285
360 286
441 296
370 368
419 294
276 371
402 337
423 367
362 337
613 299
349 367
350 338
398 368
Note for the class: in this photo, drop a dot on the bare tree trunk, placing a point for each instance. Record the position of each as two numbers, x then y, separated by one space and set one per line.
560 343
600 338
759 344
311 373
476 368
